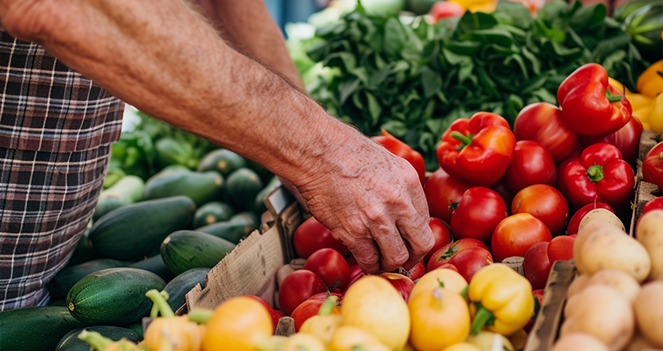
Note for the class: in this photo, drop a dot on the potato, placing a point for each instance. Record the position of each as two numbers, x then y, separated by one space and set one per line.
649 312
601 213
602 312
601 245
618 280
649 232
577 285
579 342
640 343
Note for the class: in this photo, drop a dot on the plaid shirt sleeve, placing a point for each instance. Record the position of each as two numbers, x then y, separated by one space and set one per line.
56 132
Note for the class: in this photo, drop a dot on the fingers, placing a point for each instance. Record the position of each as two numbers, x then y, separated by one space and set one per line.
393 249
367 255
419 240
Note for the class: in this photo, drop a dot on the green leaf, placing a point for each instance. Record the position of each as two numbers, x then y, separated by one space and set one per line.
374 108
513 13
394 37
545 95
554 35
536 63
488 83
453 58
473 21
466 48
521 64
612 61
341 59
431 82
395 128
589 16
611 45
490 36
348 88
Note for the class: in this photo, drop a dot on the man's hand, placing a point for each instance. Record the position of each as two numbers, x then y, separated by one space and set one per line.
373 201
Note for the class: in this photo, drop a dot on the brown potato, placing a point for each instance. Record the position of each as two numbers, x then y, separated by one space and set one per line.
649 312
617 279
640 343
579 342
650 233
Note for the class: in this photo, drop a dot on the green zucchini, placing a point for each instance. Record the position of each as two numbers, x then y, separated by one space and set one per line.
212 212
66 278
155 265
136 328
136 231
126 191
200 187
187 249
83 251
114 296
222 161
248 218
175 152
182 284
35 328
71 342
242 187
231 231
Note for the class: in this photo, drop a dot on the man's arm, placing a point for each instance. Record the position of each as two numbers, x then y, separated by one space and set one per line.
250 28
159 56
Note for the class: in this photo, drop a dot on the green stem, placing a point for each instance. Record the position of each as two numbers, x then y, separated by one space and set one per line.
660 156
611 97
160 301
595 173
328 306
453 206
463 293
465 139
200 315
95 340
480 319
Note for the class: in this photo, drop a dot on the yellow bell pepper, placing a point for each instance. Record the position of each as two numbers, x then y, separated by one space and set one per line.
178 332
324 325
477 5
655 119
638 101
642 114
303 342
500 299
650 82
101 343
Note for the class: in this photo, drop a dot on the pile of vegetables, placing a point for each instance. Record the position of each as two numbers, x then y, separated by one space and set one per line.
413 80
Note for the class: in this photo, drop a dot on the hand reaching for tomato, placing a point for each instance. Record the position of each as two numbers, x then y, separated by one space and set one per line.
373 202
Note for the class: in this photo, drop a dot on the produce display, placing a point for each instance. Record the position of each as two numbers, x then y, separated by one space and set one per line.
528 150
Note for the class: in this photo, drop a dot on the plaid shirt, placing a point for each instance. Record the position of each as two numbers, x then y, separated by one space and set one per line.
56 131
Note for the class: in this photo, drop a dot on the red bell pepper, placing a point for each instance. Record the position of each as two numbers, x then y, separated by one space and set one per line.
652 166
590 106
627 140
403 150
598 175
477 150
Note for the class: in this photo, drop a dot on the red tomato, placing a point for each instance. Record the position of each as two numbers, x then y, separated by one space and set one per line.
447 266
441 233
275 317
444 9
561 248
545 203
477 215
355 274
441 192
470 261
516 234
418 271
627 140
543 123
531 164
279 314
323 297
297 288
655 204
308 309
331 267
537 265
503 189
443 255
560 170
574 223
403 284
312 236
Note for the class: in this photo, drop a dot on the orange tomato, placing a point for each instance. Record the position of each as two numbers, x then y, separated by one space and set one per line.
440 318
238 324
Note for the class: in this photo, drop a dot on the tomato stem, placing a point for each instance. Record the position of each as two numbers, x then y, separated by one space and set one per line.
328 306
482 317
159 300
595 173
660 156
95 340
200 315
464 139
611 97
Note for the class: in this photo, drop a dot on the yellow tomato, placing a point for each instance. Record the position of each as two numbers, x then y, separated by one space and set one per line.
239 324
437 278
486 341
463 346
303 342
346 338
322 327
440 318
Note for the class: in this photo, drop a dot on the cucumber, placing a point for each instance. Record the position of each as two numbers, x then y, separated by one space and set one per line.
71 342
114 296
113 176
136 328
259 206
66 278
231 231
58 303
222 161
187 249
242 187
200 187
136 231
248 218
175 152
182 284
212 212
126 191
35 328
155 265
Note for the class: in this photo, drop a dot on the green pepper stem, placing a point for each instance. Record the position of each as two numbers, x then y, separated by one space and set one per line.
465 139
480 319
595 173
328 306
463 293
95 340
611 97
160 301
200 315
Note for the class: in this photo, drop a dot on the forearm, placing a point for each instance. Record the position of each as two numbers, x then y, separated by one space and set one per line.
143 53
251 29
